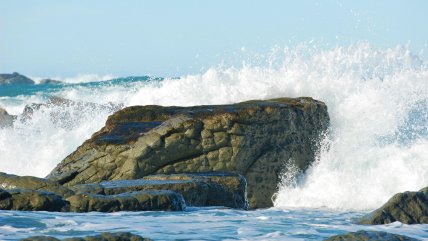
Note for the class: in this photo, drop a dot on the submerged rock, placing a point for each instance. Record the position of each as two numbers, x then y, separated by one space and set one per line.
149 200
30 200
49 82
407 207
253 138
363 235
209 189
9 181
120 236
15 78
6 120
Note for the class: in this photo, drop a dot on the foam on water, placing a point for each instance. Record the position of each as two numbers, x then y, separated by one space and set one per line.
197 224
377 100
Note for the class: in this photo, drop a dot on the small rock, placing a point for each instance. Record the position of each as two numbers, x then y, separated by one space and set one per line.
363 235
407 207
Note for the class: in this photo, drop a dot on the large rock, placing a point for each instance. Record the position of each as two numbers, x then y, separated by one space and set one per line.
363 235
149 200
30 200
15 78
407 207
254 138
120 236
205 189
6 120
9 181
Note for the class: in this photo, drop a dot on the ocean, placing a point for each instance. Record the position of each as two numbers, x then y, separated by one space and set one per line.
377 144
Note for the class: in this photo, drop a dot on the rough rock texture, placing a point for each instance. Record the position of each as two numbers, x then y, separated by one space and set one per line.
209 189
6 120
15 78
120 236
30 200
253 138
407 207
9 181
150 200
370 236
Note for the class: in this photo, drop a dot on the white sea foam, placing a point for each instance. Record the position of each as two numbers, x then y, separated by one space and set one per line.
376 98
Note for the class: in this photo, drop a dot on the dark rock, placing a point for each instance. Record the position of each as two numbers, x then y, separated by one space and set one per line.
15 78
252 138
120 236
9 181
49 82
363 235
210 189
40 238
149 200
224 189
30 200
6 120
407 207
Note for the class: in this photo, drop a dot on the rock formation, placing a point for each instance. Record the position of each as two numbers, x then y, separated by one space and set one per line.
363 235
158 192
407 207
208 189
15 78
253 138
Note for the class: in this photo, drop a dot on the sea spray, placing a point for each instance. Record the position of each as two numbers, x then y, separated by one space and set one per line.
371 95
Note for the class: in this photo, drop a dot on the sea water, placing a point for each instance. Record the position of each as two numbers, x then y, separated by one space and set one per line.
377 144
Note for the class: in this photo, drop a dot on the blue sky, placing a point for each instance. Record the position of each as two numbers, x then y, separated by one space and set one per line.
170 38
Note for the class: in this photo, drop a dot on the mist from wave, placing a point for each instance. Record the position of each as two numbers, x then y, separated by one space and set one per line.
377 100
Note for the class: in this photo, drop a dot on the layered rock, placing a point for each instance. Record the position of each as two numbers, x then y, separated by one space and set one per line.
209 189
254 138
407 207
363 235
149 200
9 181
120 236
15 78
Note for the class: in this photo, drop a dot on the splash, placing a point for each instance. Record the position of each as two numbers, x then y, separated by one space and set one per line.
377 100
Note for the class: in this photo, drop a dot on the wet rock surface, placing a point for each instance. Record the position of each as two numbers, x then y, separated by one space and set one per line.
9 181
370 236
407 207
203 189
31 200
120 236
149 200
253 138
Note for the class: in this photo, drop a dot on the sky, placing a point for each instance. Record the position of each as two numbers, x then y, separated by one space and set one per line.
48 38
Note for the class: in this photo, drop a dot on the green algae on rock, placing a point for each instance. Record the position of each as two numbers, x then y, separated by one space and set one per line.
253 138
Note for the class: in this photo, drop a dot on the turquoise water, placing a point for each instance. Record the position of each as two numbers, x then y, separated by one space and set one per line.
197 224
378 143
